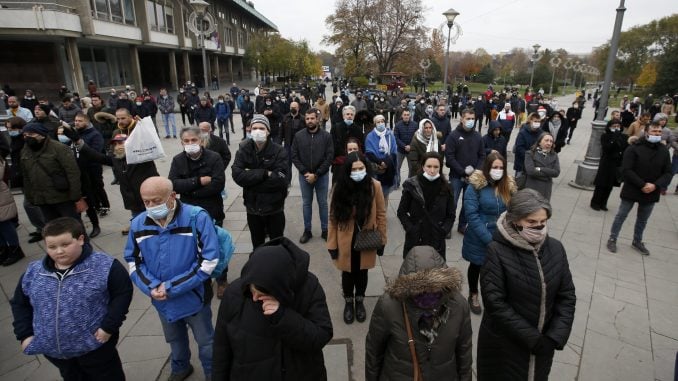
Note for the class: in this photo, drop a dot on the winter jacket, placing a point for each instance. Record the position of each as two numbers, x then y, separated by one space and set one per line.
573 115
517 311
403 133
63 313
498 143
507 121
446 354
312 152
524 141
218 145
426 222
341 132
68 114
376 156
286 345
53 158
166 105
442 125
541 179
147 108
645 162
263 193
94 140
341 239
324 109
336 113
103 119
222 110
479 108
290 126
482 206
559 135
420 112
8 208
169 255
382 108
418 150
463 148
205 114
185 174
612 152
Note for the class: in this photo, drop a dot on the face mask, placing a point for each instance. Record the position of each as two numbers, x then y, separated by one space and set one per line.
536 125
268 103
192 148
381 99
138 103
381 127
358 176
533 235
248 135
221 101
293 110
259 136
496 174
654 138
431 177
348 122
542 114
14 133
469 124
64 139
33 143
158 212
422 101
614 129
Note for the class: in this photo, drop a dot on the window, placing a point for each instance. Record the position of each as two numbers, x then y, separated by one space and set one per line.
228 36
105 66
160 15
120 11
185 21
241 40
116 10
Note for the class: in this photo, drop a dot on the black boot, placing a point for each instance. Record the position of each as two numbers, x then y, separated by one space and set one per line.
349 310
14 255
4 252
360 313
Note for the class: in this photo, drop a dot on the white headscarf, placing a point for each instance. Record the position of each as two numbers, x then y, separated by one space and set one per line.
384 140
432 141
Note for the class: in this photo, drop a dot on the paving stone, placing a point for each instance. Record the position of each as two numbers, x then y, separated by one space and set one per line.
664 318
142 348
608 359
336 360
620 320
664 353
143 370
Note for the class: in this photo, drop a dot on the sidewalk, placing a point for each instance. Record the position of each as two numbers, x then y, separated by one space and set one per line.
626 323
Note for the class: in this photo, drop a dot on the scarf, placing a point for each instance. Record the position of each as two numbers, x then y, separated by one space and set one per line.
431 142
384 140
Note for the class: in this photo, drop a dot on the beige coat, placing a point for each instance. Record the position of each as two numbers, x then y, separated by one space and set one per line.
340 239
7 205
324 109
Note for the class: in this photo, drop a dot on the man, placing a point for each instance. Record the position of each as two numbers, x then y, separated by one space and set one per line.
234 91
312 155
359 103
125 121
15 110
402 107
214 143
464 152
573 115
223 112
44 117
98 199
29 101
67 111
636 128
647 170
441 121
507 119
193 101
479 107
292 123
112 99
126 103
184 109
204 112
197 174
271 111
171 264
420 110
324 109
527 136
260 168
404 131
166 108
102 123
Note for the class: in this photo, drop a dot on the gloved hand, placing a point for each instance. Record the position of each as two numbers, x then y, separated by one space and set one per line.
334 253
72 134
545 346
380 251
468 170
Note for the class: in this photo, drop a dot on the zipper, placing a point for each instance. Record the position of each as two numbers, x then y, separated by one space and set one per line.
56 320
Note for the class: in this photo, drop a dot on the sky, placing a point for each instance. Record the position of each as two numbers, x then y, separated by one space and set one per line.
496 25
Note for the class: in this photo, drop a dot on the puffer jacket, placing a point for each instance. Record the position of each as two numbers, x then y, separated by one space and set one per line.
482 207
645 162
263 194
448 356
7 205
286 345
517 311
185 174
312 152
56 159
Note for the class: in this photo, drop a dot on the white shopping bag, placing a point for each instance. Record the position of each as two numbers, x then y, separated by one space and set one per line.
143 144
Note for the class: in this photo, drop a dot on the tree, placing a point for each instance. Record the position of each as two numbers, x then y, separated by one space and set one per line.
486 74
648 75
346 32
667 72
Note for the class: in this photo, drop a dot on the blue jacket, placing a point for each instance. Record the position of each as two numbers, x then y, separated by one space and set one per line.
173 256
524 141
403 134
376 156
223 110
482 207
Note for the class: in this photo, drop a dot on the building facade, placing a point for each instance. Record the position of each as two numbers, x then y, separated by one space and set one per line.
121 42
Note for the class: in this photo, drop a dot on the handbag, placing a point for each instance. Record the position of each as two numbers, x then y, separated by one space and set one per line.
410 343
367 239
59 180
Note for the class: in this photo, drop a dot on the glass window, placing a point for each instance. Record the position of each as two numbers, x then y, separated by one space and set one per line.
101 9
116 10
160 17
129 12
169 17
150 14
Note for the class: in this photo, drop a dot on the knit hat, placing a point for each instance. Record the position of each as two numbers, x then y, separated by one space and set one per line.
45 108
37 128
259 118
119 138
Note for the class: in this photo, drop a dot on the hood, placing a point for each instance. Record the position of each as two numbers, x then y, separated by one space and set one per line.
478 180
278 266
494 124
424 270
511 236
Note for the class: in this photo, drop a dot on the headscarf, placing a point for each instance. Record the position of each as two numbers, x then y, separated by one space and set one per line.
384 141
432 141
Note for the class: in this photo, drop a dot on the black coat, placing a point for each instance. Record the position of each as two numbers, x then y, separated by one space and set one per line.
612 153
219 146
510 285
645 162
425 224
286 345
560 137
205 114
185 175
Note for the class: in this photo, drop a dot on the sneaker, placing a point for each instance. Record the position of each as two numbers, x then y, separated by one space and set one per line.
125 230
115 182
305 237
103 212
181 376
167 136
474 304
640 247
323 235
612 245
35 238
462 229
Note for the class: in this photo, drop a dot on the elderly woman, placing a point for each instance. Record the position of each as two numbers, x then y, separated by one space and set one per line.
542 165
528 294
421 311
381 149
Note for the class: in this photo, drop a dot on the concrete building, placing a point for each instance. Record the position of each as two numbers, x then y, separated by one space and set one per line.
120 42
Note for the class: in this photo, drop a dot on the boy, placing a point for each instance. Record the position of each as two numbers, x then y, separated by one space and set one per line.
70 305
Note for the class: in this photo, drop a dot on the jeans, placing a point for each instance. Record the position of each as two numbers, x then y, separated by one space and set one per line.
321 186
644 212
176 335
458 187
34 214
168 119
223 128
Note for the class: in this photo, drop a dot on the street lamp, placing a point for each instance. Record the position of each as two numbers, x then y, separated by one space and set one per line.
200 8
555 63
535 57
450 15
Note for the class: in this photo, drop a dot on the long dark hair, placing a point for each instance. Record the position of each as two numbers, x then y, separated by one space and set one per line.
502 187
352 199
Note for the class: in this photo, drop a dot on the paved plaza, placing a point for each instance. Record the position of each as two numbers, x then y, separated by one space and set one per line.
626 321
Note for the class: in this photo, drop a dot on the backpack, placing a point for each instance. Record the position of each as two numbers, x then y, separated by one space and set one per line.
226 246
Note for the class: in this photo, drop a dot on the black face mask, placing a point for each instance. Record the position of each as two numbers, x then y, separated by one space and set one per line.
34 143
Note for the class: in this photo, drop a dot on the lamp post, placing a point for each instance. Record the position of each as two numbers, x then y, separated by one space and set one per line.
200 8
535 57
555 63
450 15
567 65
586 172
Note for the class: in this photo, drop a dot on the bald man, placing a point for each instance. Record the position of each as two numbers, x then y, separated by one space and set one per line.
170 259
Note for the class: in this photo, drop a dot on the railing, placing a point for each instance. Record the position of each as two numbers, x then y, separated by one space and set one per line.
33 5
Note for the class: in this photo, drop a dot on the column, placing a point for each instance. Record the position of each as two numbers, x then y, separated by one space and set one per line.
174 80
74 67
187 65
215 68
136 67
230 68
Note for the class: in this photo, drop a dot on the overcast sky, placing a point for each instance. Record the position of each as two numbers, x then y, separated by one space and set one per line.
495 25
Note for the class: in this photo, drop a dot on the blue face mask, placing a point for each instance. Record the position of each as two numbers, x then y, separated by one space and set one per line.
469 124
381 127
358 176
158 212
14 133
348 122
64 139
654 138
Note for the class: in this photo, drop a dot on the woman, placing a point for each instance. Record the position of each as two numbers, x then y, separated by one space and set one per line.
426 139
438 317
246 113
542 165
557 127
486 197
10 251
381 149
523 323
357 203
613 144
426 208
494 140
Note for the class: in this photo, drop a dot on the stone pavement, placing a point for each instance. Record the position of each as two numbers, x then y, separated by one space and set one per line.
626 323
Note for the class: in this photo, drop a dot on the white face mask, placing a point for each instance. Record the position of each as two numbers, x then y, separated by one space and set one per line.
259 136
431 177
536 125
192 148
496 174
358 176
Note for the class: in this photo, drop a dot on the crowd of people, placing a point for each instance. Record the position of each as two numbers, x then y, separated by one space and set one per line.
273 320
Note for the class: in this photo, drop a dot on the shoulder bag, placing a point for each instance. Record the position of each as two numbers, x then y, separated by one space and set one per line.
367 239
410 342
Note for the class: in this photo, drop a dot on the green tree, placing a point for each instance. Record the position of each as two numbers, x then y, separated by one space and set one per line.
667 72
486 74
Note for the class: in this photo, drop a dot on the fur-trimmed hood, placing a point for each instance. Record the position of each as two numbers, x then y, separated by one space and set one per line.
478 180
424 270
